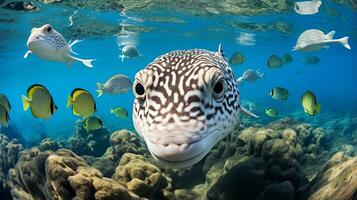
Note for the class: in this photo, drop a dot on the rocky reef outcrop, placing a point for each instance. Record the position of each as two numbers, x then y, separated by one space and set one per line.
276 155
142 178
283 160
92 143
121 142
9 150
60 175
337 180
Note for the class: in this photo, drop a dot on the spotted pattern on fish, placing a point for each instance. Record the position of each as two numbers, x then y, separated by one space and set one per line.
118 83
178 105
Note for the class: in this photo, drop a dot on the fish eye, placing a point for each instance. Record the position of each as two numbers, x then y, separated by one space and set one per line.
218 90
139 89
48 28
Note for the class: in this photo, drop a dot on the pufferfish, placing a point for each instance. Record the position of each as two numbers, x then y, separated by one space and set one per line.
49 44
186 101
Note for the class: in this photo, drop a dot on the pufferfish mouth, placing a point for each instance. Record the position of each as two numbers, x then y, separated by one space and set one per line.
181 154
39 43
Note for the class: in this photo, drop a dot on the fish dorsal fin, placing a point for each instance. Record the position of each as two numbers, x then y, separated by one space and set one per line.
220 50
330 35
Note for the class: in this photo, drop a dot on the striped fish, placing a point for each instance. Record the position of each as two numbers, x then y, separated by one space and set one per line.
115 85
185 103
40 101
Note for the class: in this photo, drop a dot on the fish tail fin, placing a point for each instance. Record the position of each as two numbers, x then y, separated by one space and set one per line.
122 57
344 42
100 92
25 102
240 80
100 86
72 44
69 101
330 35
86 62
112 111
318 108
247 113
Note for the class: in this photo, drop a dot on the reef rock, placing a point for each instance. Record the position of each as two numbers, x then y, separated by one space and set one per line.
9 151
21 6
123 141
338 180
60 175
48 144
92 143
140 176
238 181
272 154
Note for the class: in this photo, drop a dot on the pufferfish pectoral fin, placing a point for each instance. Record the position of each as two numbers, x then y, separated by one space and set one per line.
27 54
247 113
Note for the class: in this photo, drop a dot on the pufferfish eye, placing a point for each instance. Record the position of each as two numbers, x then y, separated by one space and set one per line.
218 90
48 28
139 89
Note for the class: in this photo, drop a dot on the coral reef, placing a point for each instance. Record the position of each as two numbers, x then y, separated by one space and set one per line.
8 157
48 144
141 177
92 143
60 175
121 142
283 160
272 154
337 180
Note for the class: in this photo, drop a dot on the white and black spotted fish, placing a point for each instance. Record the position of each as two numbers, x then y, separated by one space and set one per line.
185 103
115 85
48 44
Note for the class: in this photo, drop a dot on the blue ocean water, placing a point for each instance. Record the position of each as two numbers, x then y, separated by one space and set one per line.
333 80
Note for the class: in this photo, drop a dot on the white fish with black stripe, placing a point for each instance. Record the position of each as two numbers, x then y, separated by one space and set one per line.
115 85
48 44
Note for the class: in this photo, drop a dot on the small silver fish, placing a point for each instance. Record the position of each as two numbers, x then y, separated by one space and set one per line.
250 75
314 40
48 44
129 51
115 85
